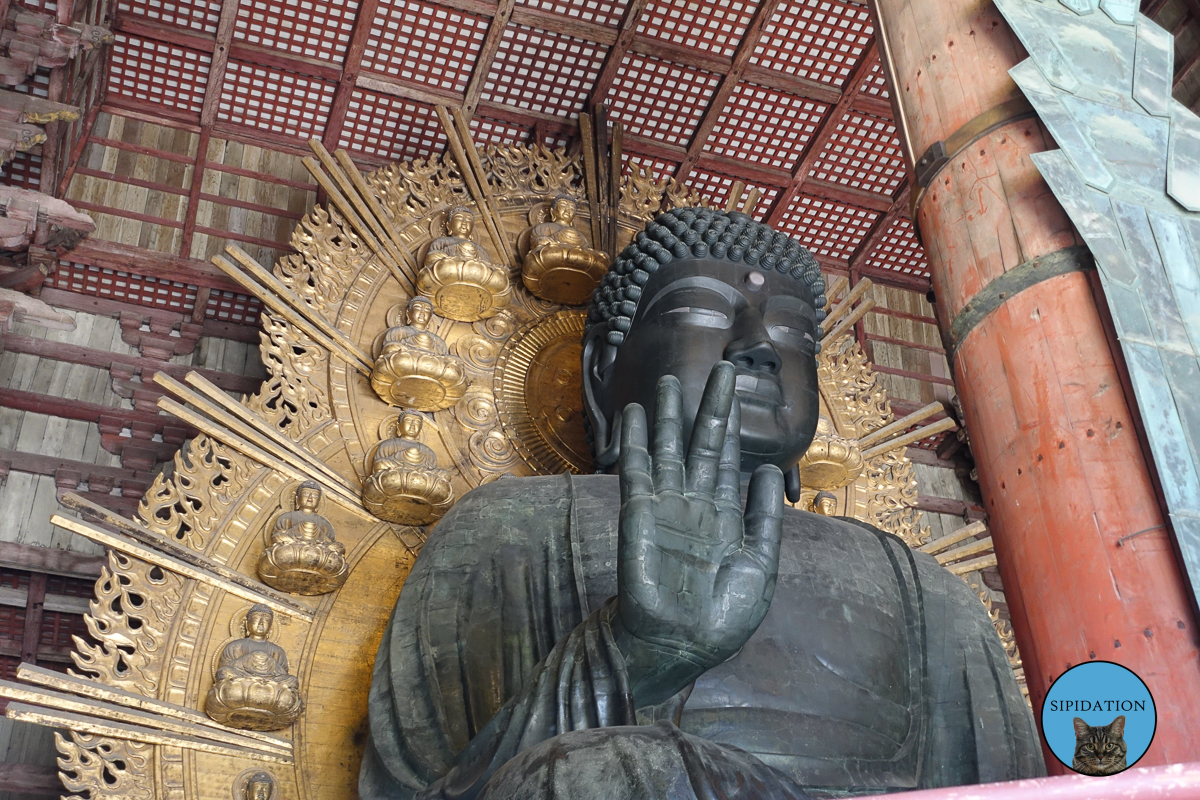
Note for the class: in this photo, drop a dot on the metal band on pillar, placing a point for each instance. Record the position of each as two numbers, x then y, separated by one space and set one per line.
1011 283
942 152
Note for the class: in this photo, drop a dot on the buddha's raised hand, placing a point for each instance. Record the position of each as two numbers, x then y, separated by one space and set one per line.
696 574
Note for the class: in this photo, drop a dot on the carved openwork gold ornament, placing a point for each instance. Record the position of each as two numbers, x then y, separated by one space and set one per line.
557 263
303 555
185 569
414 368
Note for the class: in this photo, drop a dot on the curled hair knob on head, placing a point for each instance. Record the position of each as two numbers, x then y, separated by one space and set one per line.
698 233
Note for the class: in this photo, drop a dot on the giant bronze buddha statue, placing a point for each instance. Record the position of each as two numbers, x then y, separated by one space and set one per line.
674 631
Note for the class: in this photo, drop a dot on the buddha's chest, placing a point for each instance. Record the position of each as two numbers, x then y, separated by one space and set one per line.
832 658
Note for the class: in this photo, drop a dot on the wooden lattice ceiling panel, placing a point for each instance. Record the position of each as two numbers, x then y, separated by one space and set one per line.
765 126
784 96
661 100
709 27
819 40
542 72
424 44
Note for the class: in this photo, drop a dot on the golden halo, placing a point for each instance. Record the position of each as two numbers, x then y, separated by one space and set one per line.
539 397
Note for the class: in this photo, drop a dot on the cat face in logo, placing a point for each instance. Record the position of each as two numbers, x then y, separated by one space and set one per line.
1099 750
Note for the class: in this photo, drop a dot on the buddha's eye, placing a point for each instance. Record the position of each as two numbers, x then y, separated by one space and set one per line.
699 315
784 330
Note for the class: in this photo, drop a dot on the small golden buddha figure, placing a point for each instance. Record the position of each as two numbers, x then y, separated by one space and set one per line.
261 786
558 264
414 368
405 486
825 504
304 556
253 689
832 461
458 276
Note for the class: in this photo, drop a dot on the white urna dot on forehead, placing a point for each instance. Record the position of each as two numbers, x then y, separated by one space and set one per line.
755 280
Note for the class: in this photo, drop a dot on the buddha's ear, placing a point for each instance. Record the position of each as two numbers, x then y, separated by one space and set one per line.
598 358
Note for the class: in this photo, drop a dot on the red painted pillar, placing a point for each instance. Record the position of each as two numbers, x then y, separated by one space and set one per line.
1088 565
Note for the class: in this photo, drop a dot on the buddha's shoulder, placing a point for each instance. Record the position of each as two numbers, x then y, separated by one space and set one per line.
845 540
538 491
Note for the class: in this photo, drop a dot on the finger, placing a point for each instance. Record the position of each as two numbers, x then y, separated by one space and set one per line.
668 435
634 460
708 432
729 472
763 521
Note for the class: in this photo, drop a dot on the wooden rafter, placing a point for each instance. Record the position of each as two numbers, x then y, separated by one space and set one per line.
352 66
208 115
737 67
616 53
486 57
824 132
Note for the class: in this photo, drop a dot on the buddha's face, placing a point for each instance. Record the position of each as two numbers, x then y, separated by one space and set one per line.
410 427
461 225
258 624
308 498
825 504
696 312
419 315
563 211
259 790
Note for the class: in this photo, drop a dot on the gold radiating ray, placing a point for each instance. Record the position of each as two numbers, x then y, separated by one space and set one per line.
284 457
75 684
462 148
200 568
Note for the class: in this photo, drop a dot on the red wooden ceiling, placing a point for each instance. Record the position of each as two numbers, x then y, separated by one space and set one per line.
787 97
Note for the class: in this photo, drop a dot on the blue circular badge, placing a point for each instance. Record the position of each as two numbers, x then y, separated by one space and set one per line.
1098 718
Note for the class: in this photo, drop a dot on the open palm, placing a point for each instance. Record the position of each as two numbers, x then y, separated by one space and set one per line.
696 574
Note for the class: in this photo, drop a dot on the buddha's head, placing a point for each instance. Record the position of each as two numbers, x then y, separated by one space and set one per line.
409 426
308 496
261 786
258 621
420 312
700 286
825 503
460 222
563 210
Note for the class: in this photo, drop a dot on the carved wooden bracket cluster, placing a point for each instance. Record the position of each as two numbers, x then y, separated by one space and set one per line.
32 40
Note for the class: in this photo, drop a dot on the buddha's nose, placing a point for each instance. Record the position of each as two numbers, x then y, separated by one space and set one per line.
754 353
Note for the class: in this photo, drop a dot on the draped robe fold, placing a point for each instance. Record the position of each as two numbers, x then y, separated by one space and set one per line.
875 669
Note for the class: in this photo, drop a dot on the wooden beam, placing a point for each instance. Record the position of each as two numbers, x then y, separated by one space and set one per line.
106 307
1186 69
720 97
351 67
616 53
34 606
107 417
485 58
148 263
51 560
945 505
932 348
146 367
924 377
823 133
34 779
847 195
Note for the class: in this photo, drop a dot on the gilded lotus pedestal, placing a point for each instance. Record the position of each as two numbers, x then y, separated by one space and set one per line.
557 265
831 461
458 277
404 485
414 368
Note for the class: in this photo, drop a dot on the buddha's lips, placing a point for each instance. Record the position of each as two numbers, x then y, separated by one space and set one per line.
758 388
